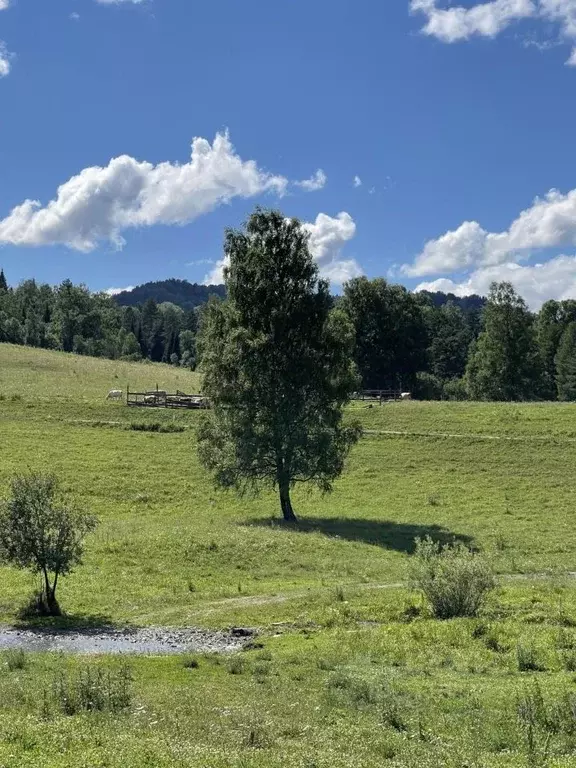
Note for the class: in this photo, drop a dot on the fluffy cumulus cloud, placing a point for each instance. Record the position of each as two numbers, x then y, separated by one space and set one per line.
100 203
314 183
554 279
455 23
328 235
550 222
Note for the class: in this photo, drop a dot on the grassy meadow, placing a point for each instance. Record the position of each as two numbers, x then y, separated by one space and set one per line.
350 669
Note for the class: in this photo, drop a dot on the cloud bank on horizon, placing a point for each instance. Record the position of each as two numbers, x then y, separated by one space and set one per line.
458 23
481 257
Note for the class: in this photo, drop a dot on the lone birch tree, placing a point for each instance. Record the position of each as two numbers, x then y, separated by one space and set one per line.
277 365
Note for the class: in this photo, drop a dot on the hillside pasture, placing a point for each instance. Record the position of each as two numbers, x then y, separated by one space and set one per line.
351 671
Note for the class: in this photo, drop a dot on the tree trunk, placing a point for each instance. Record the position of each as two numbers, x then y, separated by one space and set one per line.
50 602
285 502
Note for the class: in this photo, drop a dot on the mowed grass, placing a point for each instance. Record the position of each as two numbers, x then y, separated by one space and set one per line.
353 671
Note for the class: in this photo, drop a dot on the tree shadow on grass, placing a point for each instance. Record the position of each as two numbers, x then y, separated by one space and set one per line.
83 623
381 533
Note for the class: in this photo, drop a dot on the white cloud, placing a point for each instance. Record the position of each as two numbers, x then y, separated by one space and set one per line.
549 223
100 203
489 19
116 291
314 183
459 23
555 279
357 181
328 234
4 60
4 55
74 16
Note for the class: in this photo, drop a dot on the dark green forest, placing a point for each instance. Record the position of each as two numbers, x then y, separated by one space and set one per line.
434 345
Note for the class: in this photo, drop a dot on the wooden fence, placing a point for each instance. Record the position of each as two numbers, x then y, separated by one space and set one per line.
159 398
378 395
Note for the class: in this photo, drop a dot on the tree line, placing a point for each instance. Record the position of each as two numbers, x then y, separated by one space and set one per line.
494 349
70 318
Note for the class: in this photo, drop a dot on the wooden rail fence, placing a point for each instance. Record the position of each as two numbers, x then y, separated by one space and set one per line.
159 398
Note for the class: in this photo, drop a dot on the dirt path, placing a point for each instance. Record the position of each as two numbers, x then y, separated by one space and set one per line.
472 436
255 600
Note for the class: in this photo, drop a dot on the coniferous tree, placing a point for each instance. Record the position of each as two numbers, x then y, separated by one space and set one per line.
505 363
566 364
277 366
3 281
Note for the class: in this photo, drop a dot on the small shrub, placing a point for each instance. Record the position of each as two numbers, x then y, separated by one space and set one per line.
455 580
528 660
190 663
155 426
16 659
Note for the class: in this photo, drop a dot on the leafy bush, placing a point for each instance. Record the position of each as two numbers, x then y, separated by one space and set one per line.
454 579
455 389
155 426
428 387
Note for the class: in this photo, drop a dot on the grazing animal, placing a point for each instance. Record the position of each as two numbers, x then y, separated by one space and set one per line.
405 396
114 394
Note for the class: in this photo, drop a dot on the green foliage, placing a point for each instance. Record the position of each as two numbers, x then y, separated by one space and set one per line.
450 337
390 332
155 426
566 364
505 362
277 366
39 532
91 688
428 387
455 389
454 579
553 319
3 281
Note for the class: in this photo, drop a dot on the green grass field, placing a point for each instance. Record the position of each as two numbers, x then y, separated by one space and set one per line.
347 676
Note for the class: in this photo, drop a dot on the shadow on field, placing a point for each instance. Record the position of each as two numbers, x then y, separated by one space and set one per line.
85 623
382 533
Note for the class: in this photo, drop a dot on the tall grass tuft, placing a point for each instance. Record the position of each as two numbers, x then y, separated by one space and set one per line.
454 580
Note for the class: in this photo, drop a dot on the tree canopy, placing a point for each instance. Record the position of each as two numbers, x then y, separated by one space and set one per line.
506 363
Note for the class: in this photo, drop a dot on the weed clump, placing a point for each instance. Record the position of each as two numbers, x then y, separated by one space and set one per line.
90 689
155 426
454 580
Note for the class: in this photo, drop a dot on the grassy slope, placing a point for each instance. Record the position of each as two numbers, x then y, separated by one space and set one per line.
170 549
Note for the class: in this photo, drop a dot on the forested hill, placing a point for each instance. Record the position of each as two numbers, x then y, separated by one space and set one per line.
472 303
180 292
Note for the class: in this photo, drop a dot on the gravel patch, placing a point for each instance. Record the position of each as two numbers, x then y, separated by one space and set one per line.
151 641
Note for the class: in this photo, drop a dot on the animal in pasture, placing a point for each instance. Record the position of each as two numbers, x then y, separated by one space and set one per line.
114 394
405 396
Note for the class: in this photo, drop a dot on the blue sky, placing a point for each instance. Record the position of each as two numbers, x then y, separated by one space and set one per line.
457 123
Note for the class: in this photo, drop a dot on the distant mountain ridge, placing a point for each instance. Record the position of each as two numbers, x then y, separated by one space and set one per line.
470 303
191 295
180 292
